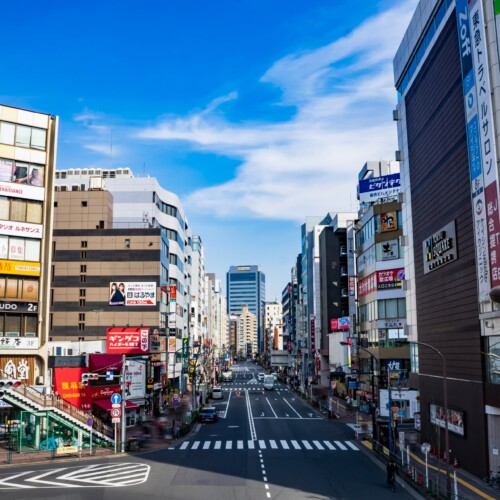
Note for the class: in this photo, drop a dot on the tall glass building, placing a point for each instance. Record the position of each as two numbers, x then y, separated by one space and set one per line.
246 285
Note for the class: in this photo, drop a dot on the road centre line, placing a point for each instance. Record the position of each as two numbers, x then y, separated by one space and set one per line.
275 416
292 407
253 433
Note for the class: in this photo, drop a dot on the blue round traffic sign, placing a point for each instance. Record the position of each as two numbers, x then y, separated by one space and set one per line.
176 402
116 398
90 422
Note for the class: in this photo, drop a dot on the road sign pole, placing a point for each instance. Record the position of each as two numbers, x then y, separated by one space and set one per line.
123 420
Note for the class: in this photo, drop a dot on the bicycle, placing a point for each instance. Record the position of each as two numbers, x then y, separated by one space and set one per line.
492 479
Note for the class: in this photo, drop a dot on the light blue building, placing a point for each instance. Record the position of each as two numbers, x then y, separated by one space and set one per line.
247 285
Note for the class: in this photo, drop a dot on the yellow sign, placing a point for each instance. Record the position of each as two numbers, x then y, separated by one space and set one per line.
62 450
20 267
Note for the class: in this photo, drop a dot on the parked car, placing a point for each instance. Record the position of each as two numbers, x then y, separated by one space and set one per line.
261 376
208 414
217 392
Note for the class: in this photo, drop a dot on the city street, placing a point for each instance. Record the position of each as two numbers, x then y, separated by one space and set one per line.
266 444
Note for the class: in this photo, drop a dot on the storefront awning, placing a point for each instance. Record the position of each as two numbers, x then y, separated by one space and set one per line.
107 405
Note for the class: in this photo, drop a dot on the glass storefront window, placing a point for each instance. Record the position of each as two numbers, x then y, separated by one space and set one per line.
493 359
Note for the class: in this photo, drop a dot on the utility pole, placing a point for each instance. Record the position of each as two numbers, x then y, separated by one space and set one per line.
124 404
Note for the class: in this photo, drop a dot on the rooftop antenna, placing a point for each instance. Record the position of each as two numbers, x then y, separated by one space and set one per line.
144 169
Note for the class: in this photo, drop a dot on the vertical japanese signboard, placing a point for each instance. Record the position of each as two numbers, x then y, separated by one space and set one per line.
474 141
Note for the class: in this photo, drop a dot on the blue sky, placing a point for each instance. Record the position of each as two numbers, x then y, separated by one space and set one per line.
257 113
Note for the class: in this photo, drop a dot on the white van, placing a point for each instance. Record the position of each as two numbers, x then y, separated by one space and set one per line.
268 382
217 392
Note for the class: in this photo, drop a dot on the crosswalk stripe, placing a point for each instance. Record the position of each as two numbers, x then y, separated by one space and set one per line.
306 445
330 445
262 444
206 445
240 445
296 445
195 446
355 448
229 445
284 444
340 445
251 444
184 445
273 444
217 445
318 445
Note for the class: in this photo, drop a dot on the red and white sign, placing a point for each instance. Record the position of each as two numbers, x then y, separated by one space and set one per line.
68 385
392 278
116 412
127 340
367 285
10 228
173 292
21 191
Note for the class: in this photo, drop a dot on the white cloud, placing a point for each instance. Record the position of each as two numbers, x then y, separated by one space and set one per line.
343 94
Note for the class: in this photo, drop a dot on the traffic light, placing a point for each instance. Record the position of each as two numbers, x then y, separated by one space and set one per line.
87 377
8 383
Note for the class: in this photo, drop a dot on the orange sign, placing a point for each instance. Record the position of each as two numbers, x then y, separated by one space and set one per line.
20 267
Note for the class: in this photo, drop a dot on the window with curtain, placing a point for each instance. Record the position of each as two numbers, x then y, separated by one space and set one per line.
38 138
13 325
34 212
18 210
23 136
4 208
7 133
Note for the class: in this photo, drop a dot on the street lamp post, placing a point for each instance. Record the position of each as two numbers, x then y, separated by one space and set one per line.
445 400
372 368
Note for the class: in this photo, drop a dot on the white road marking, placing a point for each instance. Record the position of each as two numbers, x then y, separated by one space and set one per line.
217 445
6 482
340 445
329 445
184 445
284 444
306 445
318 445
262 444
240 445
229 445
296 445
276 416
206 445
355 448
195 446
273 444
251 444
292 407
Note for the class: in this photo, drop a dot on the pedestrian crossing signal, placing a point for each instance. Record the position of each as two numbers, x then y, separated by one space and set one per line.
6 384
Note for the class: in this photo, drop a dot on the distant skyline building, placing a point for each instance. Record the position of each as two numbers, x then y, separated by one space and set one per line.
246 285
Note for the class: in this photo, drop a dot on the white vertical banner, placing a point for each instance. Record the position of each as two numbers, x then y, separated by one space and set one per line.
474 150
487 135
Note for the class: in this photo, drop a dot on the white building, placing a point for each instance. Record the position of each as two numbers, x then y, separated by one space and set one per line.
273 324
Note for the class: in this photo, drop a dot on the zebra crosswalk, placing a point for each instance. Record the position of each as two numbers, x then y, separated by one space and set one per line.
268 444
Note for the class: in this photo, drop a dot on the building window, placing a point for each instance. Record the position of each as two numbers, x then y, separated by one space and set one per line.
83 278
55 204
81 317
83 268
82 302
127 243
82 292
81 326
83 244
84 203
83 255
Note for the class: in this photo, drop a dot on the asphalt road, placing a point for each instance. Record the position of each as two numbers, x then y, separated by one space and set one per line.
266 444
